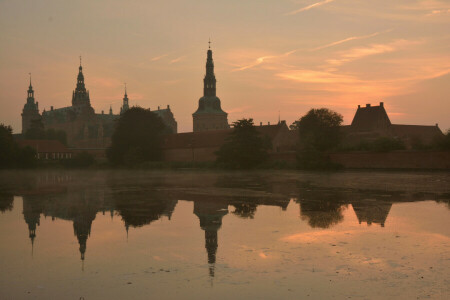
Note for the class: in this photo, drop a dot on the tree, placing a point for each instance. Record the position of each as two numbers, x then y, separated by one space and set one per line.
11 155
319 131
442 142
244 148
137 137
6 147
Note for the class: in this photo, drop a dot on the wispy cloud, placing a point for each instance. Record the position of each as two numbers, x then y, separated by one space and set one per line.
438 12
360 52
262 59
178 59
159 57
317 4
352 38
310 76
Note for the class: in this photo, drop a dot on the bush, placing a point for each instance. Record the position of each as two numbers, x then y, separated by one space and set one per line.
442 142
244 148
137 137
319 132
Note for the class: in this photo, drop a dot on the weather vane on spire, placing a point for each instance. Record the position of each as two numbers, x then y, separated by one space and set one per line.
125 88
209 43
80 60
30 78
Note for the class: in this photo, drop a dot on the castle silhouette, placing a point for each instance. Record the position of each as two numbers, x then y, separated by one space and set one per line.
86 129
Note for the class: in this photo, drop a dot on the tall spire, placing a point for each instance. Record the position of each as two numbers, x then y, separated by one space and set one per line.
30 96
80 96
209 82
125 105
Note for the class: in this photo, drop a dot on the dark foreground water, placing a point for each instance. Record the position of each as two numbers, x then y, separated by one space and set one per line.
202 235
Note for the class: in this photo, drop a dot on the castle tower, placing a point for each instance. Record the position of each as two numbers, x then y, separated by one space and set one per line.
209 115
125 105
80 96
30 110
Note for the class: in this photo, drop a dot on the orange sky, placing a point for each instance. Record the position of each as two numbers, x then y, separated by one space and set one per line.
270 56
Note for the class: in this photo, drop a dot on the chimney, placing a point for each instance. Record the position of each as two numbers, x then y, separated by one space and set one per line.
381 104
437 125
168 106
51 108
368 105
103 112
268 123
260 123
158 107
37 105
359 106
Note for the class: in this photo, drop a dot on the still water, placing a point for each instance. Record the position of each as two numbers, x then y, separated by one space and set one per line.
224 235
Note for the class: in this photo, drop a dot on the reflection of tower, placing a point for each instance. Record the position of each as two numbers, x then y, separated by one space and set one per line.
210 215
82 223
31 214
372 212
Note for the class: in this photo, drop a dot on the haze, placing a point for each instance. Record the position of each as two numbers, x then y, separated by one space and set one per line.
271 57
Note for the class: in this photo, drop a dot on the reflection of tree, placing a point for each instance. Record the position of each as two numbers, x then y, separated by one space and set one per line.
139 208
321 208
6 202
245 209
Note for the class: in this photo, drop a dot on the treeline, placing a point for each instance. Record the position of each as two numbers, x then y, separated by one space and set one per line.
11 154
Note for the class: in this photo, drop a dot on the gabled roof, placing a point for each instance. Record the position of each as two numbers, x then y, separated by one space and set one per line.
44 146
370 118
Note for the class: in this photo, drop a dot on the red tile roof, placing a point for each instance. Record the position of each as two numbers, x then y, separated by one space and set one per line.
44 146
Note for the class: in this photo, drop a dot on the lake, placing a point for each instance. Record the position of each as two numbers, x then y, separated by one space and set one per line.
224 235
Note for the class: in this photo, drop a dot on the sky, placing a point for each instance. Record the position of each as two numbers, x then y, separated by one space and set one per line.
272 58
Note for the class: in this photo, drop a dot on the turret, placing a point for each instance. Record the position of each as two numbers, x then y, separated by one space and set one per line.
30 110
125 105
80 96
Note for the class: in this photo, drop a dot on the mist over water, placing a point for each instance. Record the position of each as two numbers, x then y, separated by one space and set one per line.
196 235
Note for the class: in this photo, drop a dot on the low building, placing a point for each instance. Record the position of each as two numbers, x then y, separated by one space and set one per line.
47 149
201 146
372 122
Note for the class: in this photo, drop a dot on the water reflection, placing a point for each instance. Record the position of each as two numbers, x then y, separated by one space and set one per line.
140 200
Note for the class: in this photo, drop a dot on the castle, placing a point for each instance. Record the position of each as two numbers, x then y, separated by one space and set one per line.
85 129
88 130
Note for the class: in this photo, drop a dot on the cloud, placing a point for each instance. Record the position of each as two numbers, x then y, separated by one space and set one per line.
159 57
317 4
310 76
349 39
374 49
262 59
178 59
438 12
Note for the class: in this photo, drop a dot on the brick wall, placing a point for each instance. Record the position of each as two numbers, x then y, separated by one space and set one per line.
394 160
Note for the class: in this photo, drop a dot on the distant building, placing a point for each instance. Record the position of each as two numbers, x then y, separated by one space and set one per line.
85 129
201 146
209 115
371 122
47 149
